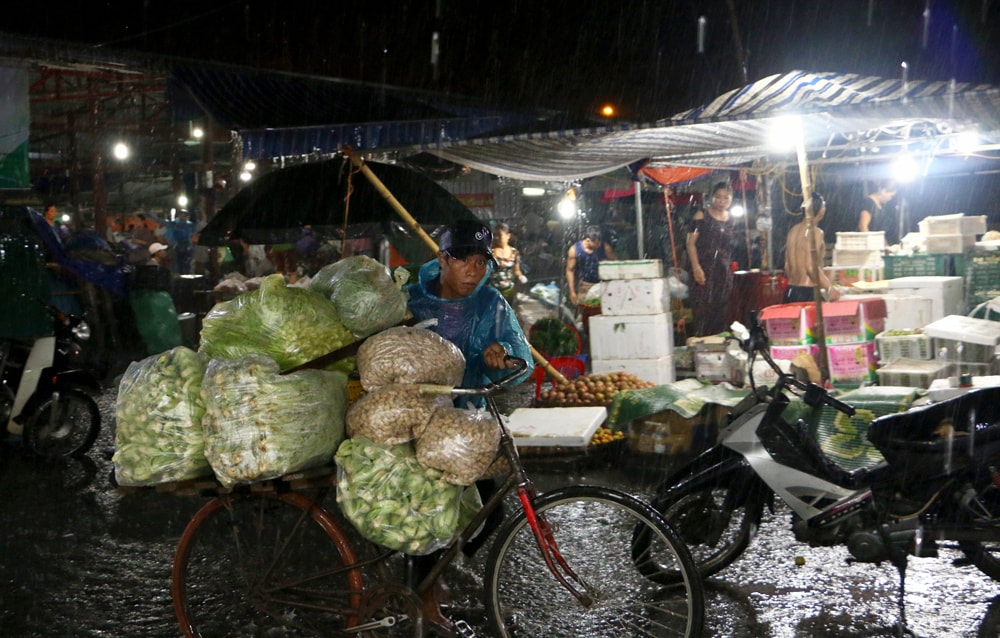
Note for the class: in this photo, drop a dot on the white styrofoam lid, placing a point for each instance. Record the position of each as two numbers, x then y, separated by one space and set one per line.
968 329
573 426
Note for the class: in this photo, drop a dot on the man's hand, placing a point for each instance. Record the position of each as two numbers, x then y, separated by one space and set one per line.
699 275
495 355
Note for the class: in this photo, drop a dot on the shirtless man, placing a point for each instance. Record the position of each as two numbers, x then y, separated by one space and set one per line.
799 257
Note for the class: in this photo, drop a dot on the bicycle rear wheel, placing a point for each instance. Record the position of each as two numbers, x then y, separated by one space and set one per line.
593 529
264 564
66 424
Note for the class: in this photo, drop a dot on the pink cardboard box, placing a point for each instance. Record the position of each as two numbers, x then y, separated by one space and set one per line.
853 321
788 353
790 324
852 363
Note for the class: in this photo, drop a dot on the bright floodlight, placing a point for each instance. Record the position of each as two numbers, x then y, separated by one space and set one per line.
249 165
737 211
785 133
182 201
904 169
965 142
121 151
246 176
532 191
197 133
567 208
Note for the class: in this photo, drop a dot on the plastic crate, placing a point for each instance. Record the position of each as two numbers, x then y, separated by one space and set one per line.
949 243
874 240
953 225
923 265
914 373
916 345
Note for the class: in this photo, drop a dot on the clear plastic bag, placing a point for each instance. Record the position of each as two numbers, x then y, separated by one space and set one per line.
368 298
409 355
388 415
159 410
460 443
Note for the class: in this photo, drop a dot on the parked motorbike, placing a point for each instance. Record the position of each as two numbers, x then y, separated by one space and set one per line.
46 396
938 486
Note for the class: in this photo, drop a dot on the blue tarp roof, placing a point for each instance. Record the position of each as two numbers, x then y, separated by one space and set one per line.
286 114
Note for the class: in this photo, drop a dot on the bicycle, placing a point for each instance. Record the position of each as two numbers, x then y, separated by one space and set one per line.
269 560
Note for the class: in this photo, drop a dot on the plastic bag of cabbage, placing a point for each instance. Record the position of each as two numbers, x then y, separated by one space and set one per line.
394 501
159 436
290 325
261 425
367 297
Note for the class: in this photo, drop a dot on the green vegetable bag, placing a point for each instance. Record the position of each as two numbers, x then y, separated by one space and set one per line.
394 501
260 425
159 436
156 320
367 297
288 324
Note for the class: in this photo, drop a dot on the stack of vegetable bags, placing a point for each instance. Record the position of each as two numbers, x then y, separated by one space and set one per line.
404 477
261 425
159 437
290 325
368 299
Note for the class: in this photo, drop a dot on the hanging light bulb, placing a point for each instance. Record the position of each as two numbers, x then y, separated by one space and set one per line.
567 206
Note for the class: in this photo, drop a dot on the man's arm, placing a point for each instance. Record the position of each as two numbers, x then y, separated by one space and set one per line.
864 220
610 252
570 267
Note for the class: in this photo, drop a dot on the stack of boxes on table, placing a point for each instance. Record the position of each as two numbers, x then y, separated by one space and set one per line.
635 331
908 327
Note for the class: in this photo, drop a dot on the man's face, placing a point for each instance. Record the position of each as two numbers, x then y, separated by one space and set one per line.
459 277
590 244
885 196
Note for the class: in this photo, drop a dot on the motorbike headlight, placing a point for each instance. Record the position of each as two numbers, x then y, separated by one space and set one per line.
82 331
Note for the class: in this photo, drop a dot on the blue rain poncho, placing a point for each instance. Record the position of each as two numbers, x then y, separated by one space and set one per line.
472 323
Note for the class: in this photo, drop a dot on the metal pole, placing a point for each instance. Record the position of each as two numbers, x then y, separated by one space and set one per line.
640 240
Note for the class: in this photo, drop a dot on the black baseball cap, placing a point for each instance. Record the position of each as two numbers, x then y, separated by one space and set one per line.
465 237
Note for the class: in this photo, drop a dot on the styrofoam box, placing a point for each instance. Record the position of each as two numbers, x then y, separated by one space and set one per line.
947 294
635 297
631 336
889 348
659 371
874 240
942 389
630 269
717 366
957 224
948 243
568 427
907 312
913 373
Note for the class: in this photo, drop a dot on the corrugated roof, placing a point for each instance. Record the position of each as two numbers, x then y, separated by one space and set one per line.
843 116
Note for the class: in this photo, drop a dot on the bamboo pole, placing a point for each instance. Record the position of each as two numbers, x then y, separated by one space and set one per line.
800 151
415 226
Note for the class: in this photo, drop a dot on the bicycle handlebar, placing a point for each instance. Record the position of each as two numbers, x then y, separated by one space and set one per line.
520 365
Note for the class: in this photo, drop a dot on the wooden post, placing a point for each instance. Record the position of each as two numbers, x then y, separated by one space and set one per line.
800 149
413 224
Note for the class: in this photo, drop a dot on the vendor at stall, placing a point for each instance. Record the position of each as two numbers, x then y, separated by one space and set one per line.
805 239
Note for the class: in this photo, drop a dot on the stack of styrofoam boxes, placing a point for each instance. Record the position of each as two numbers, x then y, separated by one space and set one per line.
951 233
635 331
858 257
850 327
959 345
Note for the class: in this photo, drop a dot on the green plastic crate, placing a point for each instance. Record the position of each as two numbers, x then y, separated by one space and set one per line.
923 265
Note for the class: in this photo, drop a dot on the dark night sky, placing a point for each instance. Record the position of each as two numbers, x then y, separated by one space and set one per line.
568 54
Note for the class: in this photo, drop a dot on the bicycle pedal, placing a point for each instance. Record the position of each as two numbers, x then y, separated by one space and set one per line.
464 629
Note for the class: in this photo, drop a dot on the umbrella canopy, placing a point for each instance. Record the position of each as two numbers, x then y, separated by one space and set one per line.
332 198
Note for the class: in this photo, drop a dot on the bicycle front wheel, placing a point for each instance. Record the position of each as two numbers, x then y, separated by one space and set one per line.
592 529
64 425
264 564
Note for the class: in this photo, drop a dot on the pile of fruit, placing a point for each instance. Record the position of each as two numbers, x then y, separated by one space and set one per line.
604 435
593 389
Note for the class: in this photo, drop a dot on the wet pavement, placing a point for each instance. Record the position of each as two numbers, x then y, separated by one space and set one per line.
78 558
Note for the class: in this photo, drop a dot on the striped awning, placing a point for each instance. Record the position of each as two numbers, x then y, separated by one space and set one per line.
844 118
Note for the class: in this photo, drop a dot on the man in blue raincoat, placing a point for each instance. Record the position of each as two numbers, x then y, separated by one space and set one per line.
472 315
477 319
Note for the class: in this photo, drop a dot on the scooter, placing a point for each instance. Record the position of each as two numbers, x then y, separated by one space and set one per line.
46 397
938 486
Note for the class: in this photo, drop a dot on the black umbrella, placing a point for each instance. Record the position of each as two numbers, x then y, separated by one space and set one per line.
275 208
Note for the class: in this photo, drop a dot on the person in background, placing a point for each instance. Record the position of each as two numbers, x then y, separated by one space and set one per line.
582 260
476 318
507 273
159 255
709 248
180 237
799 246
872 217
53 218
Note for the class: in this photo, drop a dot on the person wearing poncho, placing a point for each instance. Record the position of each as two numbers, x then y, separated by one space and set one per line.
477 319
